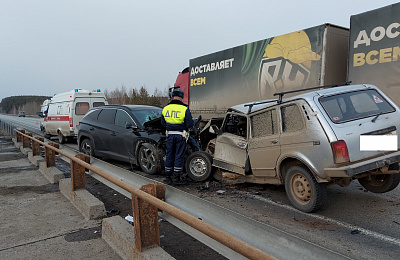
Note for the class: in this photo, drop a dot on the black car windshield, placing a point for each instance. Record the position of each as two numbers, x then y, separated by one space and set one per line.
147 114
354 105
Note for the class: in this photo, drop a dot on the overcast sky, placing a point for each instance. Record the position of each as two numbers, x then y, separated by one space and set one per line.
52 46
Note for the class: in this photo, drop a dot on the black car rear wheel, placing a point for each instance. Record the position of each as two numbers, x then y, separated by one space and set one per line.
148 158
87 147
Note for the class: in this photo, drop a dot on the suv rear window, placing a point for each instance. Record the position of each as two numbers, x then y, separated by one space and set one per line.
354 105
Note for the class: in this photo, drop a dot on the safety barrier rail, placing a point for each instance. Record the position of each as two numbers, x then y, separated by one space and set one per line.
8 127
146 201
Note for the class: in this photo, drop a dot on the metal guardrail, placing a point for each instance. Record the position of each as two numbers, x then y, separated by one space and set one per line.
9 128
145 201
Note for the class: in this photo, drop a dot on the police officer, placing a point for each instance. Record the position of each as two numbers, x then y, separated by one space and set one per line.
177 119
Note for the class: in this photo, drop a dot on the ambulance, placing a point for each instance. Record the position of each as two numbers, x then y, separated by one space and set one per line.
67 109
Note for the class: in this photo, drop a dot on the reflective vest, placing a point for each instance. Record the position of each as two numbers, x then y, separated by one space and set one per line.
174 114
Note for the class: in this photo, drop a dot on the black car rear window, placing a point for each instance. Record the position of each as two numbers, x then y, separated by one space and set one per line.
354 105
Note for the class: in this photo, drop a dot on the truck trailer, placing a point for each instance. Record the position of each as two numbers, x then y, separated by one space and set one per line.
374 50
255 71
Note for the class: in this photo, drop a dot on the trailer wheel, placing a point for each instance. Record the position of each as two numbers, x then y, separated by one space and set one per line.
61 138
302 189
380 183
148 158
199 166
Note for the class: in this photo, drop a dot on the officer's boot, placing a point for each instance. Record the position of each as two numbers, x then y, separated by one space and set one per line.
176 180
168 180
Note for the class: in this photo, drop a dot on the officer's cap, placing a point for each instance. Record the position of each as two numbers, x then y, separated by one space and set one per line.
177 92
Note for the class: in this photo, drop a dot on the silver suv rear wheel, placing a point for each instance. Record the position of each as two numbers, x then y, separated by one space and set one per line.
303 191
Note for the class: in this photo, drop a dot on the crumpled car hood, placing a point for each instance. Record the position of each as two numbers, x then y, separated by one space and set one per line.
154 124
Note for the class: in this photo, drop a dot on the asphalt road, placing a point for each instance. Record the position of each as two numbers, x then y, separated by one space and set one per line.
355 223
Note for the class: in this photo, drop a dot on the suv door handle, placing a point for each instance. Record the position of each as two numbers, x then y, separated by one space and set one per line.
92 128
113 134
275 141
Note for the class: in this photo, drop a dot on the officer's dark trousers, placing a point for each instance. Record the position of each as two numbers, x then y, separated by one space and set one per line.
176 146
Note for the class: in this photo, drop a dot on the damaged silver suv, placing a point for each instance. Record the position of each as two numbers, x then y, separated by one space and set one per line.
307 142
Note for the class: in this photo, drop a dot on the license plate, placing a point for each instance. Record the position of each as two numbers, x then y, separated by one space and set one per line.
386 142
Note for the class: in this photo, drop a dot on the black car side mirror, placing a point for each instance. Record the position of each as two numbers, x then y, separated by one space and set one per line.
129 125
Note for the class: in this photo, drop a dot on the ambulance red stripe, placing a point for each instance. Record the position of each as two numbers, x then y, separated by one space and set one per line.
56 118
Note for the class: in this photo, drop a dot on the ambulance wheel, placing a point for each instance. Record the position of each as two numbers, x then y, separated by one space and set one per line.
46 135
61 138
148 158
199 166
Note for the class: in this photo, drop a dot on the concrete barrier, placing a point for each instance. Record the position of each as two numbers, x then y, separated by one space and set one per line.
25 151
16 143
118 233
84 201
53 174
35 160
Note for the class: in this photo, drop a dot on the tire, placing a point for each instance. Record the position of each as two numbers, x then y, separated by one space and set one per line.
380 183
87 147
199 166
61 138
148 159
303 191
45 134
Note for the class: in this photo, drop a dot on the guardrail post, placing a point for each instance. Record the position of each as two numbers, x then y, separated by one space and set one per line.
78 177
29 140
19 136
50 155
35 147
25 140
41 139
146 217
56 146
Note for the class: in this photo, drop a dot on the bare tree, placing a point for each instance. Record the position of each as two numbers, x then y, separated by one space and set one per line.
137 97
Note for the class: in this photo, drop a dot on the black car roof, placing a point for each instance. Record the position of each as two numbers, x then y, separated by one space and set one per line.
131 107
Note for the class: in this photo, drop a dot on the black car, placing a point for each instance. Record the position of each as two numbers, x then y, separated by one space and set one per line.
130 133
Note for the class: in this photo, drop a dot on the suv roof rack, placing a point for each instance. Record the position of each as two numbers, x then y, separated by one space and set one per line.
280 94
259 103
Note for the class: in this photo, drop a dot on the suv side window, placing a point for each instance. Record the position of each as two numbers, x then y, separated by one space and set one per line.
264 124
291 118
107 116
121 118
236 124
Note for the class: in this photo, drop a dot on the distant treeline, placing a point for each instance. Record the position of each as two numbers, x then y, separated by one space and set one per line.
133 96
29 104
119 96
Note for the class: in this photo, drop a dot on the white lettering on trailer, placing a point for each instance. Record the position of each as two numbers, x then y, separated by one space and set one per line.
224 64
377 34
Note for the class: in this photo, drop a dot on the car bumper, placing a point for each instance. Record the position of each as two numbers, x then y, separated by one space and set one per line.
364 166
